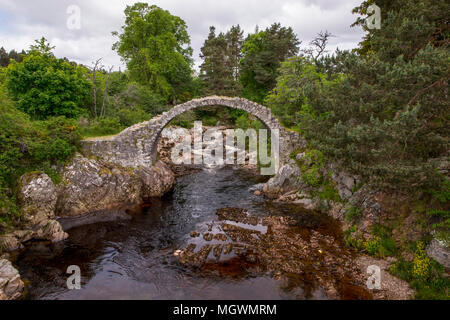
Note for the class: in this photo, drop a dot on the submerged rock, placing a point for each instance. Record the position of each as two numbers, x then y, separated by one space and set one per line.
11 286
239 244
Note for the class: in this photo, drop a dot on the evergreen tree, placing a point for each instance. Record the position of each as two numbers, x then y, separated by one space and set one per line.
214 70
381 111
235 40
4 57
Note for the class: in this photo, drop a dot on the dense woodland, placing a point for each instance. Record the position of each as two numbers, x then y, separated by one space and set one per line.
380 110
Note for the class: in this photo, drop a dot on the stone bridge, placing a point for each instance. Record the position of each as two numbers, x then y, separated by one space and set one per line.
137 145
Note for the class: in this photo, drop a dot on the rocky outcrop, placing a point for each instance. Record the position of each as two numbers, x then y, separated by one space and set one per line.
37 200
91 185
439 251
344 182
286 180
11 286
156 181
88 186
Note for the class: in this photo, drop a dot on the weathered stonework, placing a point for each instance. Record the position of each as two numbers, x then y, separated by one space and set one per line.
137 145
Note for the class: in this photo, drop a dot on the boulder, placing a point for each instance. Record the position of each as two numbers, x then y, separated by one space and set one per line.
11 286
345 183
37 198
287 179
156 181
91 185
439 251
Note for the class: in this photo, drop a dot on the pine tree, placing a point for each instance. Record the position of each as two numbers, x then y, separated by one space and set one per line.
220 68
381 111
263 53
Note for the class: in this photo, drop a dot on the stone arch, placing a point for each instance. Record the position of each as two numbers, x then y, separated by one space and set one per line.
156 125
136 146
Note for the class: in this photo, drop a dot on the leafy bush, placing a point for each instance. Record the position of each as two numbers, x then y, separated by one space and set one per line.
45 86
424 274
421 264
27 145
382 244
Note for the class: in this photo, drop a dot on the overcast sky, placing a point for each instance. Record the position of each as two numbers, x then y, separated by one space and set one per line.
23 21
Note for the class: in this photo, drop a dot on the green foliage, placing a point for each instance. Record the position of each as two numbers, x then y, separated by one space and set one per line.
437 209
329 192
263 53
155 46
5 57
45 86
424 274
382 244
351 240
102 127
312 166
382 114
300 82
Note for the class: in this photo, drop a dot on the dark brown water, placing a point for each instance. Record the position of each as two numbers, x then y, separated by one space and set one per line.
133 258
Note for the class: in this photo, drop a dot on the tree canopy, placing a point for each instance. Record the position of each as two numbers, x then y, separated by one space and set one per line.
155 46
381 111
263 53
45 86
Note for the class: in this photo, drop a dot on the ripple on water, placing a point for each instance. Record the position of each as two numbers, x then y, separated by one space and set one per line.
133 259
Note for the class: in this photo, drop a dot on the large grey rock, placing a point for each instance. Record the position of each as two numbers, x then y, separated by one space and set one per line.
91 185
156 181
439 251
11 286
37 199
286 180
344 182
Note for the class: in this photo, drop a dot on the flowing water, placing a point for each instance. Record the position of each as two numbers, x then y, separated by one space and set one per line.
134 258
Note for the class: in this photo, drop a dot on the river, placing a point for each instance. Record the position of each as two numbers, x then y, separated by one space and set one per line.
134 258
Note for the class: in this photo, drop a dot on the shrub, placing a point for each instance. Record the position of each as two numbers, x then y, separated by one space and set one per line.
45 86
421 263
102 127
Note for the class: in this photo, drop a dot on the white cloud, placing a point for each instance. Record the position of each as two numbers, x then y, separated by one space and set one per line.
24 21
